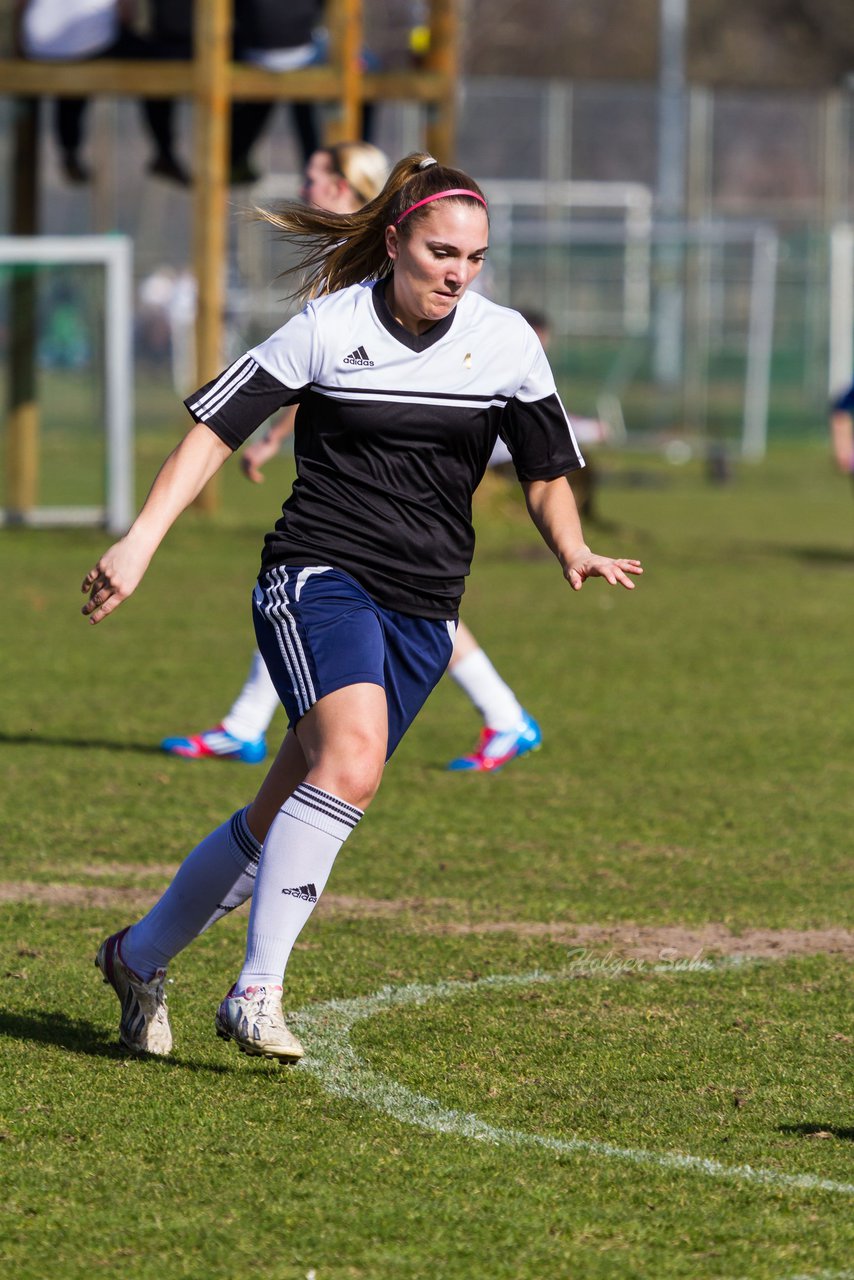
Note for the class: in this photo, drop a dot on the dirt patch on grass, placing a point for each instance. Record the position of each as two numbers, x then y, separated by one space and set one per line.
127 870
132 898
657 942
644 942
430 915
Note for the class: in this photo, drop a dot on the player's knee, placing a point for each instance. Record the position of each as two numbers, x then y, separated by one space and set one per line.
356 769
357 785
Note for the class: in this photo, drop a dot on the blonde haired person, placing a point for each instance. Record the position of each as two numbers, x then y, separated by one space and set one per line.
405 378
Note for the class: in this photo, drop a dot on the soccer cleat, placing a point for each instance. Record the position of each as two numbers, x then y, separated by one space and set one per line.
216 742
253 1020
496 748
144 1025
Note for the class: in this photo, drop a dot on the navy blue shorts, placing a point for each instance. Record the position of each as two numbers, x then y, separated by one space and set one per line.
318 630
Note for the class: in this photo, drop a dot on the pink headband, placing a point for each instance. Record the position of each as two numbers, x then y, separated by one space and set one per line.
440 195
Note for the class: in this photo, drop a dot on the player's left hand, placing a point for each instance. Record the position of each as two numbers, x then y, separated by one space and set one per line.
115 577
588 565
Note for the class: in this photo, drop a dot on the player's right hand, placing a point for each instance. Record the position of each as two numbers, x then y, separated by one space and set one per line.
254 456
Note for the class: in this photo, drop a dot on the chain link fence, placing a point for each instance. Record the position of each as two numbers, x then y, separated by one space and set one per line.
578 239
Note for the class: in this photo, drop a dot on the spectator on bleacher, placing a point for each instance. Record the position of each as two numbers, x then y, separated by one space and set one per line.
170 38
278 37
74 31
267 33
77 31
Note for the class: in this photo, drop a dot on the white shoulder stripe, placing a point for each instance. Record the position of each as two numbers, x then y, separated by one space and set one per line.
216 388
242 376
223 377
229 391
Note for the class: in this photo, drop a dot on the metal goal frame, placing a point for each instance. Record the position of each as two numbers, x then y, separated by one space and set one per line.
115 254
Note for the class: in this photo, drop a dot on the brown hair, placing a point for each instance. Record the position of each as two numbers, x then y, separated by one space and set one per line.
340 249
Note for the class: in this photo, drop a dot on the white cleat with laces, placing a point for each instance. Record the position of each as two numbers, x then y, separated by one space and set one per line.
253 1019
144 1025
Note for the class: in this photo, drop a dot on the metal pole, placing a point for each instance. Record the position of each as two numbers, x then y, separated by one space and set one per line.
670 189
22 450
119 369
841 357
760 343
212 54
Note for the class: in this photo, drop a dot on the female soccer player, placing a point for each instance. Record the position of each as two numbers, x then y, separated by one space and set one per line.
404 380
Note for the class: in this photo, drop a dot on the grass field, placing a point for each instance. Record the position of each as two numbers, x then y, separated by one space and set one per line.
590 1017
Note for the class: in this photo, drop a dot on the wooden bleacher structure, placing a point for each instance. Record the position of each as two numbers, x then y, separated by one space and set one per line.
211 80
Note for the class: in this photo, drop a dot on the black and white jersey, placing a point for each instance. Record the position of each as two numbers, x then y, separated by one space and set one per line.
393 434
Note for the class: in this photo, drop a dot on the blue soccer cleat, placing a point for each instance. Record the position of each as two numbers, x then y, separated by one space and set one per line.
496 748
216 742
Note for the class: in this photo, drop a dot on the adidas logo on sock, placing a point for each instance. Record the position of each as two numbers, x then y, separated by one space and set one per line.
359 356
305 893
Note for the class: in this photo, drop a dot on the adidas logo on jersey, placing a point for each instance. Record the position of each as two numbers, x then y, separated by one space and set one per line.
305 892
359 356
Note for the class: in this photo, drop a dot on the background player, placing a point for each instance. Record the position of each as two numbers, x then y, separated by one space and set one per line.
842 431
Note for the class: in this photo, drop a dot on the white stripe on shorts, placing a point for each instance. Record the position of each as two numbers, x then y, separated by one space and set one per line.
267 602
290 645
272 612
304 575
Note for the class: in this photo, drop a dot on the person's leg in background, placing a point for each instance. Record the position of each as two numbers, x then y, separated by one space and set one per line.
508 730
69 116
240 735
247 124
304 117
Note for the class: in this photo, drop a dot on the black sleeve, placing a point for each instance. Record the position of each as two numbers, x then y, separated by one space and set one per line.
540 439
234 404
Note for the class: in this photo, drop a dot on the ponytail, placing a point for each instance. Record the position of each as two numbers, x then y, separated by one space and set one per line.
343 249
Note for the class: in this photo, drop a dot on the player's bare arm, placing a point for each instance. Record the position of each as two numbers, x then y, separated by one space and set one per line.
181 479
552 507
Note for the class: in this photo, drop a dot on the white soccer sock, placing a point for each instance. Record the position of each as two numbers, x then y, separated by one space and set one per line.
299 851
249 718
211 881
494 699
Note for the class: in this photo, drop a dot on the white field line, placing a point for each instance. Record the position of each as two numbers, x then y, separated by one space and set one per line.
821 1275
335 1063
814 1275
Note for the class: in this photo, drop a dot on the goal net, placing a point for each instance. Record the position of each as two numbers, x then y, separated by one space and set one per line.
66 380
